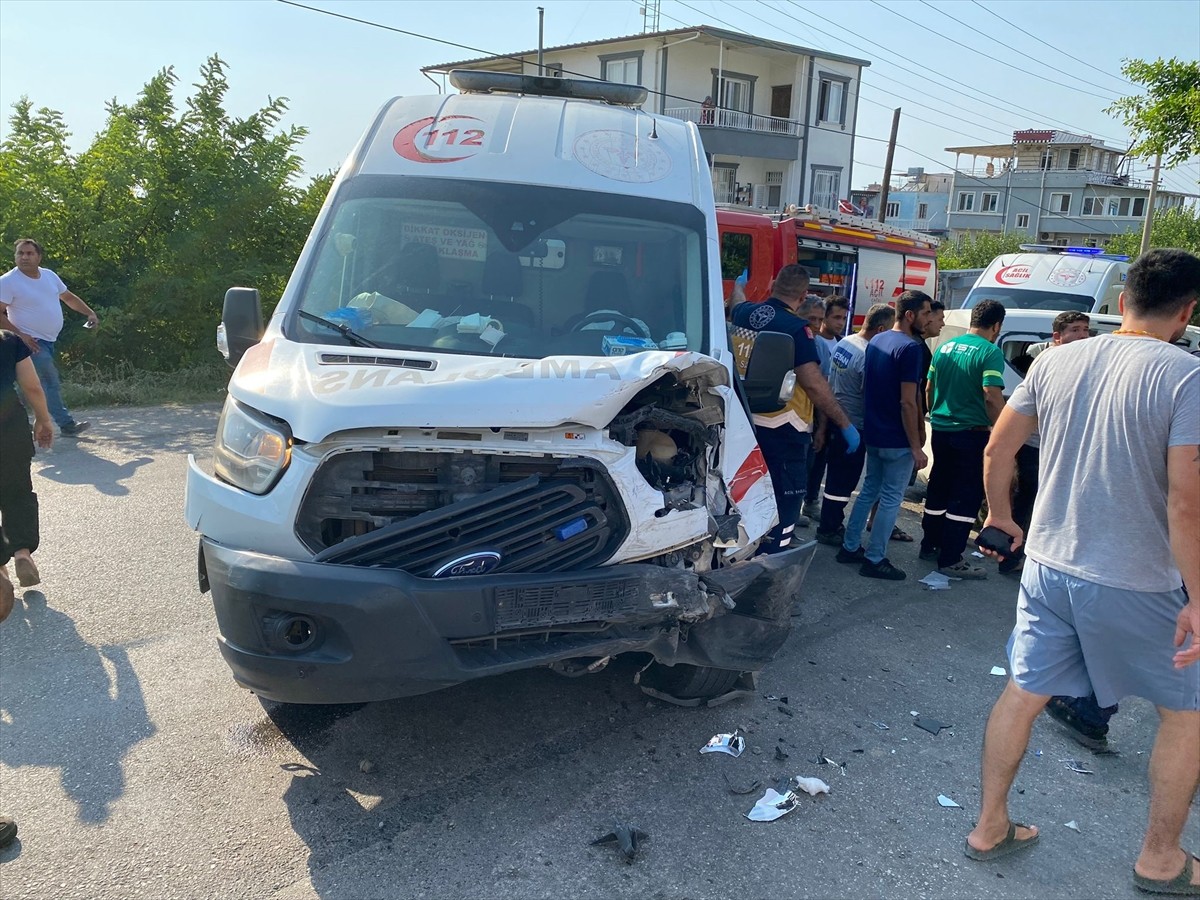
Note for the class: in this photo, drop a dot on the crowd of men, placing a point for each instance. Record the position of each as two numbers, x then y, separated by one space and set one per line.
1091 475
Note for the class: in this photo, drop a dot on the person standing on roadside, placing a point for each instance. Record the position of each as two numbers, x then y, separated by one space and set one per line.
786 436
31 301
964 397
893 432
832 327
1104 600
844 469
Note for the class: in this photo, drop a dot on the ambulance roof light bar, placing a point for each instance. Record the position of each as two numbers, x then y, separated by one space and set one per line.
474 81
1097 252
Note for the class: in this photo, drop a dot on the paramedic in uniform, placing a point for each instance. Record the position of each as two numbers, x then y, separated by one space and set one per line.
786 436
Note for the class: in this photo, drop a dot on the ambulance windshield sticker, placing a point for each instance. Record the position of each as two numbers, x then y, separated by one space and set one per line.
1067 277
445 140
1014 274
621 157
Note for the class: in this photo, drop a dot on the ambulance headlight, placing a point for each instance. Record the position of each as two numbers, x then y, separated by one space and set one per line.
252 449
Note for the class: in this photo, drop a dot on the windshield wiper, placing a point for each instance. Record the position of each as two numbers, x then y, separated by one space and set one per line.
345 330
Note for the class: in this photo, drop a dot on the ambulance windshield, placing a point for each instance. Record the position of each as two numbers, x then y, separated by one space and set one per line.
505 270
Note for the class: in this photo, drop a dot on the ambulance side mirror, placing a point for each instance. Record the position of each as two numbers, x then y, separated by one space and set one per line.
241 323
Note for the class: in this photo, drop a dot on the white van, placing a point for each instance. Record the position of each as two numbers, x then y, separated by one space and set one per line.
494 421
1058 278
1025 328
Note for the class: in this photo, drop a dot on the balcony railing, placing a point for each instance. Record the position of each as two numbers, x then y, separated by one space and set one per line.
1089 176
735 119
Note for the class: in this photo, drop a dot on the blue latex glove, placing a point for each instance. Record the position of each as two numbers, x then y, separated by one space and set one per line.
850 436
741 280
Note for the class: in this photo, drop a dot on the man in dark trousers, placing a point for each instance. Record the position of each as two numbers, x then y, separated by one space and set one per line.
964 397
893 432
1115 538
786 436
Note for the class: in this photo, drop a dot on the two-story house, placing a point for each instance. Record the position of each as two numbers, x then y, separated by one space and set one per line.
918 203
1060 188
777 120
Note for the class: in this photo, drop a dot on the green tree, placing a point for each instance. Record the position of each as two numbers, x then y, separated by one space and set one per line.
1166 118
165 209
1178 227
976 250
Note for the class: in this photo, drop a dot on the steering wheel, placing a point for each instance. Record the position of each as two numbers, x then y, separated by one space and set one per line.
623 322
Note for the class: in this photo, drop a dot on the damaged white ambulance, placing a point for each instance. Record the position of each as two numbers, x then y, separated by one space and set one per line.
494 421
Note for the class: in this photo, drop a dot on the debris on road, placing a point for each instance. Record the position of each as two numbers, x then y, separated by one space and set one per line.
823 760
366 766
936 581
628 840
999 670
882 726
810 786
787 712
1073 825
733 743
747 789
945 801
772 805
933 726
1076 766
773 698
780 753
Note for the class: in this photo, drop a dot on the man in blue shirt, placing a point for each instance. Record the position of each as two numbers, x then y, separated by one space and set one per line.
786 436
894 433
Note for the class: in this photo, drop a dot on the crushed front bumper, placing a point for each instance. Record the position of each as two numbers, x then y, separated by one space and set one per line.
305 632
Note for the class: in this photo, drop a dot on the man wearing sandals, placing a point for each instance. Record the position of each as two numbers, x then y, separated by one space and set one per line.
1115 537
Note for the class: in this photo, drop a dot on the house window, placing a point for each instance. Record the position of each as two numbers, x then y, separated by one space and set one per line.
966 201
724 179
1047 159
1093 206
1022 220
826 187
922 211
893 210
622 68
552 69
990 202
831 99
774 190
1060 204
1139 207
735 94
1073 159
1113 206
1123 210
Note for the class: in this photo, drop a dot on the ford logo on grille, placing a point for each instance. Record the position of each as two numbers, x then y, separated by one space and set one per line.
478 563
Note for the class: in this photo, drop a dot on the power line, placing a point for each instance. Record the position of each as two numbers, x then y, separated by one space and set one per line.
1114 94
1058 50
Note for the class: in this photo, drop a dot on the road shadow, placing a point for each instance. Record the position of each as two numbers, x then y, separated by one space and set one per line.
99 716
171 428
103 474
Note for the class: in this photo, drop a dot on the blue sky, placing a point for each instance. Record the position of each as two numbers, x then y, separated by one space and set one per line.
74 56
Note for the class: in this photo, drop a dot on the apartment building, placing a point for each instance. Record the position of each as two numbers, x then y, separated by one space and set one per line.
918 202
1060 188
777 120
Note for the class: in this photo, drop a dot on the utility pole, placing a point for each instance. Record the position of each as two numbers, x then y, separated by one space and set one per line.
887 169
1150 204
541 23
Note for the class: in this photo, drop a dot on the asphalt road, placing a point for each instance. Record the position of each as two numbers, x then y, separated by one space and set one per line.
136 768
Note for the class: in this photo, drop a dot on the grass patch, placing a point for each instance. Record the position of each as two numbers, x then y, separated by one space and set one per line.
88 385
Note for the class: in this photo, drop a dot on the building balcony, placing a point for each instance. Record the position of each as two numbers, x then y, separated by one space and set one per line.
735 119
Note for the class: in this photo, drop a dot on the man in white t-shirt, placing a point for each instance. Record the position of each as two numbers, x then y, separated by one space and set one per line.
30 307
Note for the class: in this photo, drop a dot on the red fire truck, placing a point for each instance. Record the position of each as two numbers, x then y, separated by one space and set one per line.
867 261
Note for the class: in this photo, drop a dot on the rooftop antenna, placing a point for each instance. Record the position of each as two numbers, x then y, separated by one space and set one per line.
651 11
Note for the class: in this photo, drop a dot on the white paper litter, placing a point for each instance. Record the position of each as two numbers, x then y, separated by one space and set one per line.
811 786
999 670
1073 825
943 800
936 581
771 806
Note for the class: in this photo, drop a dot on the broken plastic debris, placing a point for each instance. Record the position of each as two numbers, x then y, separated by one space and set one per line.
933 726
733 744
787 712
945 801
1076 766
999 670
1073 825
936 581
977 554
811 786
913 713
742 789
882 726
627 839
776 698
780 753
366 766
772 805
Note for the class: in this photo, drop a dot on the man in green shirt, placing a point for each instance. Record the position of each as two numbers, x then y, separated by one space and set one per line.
964 397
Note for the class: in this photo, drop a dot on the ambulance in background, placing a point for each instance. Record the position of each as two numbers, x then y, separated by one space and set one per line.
1056 278
869 262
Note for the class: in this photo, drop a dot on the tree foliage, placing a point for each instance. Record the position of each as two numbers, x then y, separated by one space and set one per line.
976 250
1166 118
1178 227
163 211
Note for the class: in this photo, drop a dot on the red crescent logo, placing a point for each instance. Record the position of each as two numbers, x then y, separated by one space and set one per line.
405 141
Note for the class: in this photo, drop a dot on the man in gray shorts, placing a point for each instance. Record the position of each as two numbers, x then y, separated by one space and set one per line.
1114 537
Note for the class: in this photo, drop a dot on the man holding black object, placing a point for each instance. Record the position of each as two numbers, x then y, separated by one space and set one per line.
1102 606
